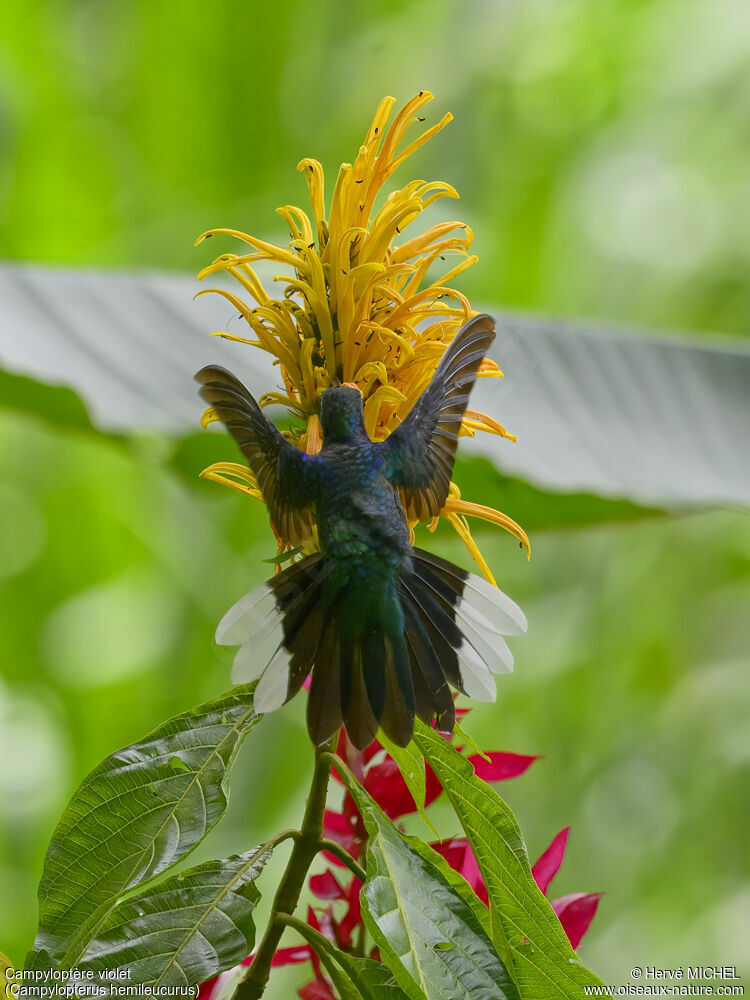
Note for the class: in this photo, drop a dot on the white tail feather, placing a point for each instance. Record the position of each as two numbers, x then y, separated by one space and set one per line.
273 685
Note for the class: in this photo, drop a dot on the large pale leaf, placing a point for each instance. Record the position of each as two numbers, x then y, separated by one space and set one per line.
183 930
522 920
619 413
431 929
141 810
663 422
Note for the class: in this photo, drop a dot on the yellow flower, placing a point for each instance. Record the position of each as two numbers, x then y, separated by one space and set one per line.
358 306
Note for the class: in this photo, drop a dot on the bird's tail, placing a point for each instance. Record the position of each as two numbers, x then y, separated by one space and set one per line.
376 659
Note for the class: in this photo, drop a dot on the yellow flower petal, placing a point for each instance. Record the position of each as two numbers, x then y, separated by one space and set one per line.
454 505
227 473
209 416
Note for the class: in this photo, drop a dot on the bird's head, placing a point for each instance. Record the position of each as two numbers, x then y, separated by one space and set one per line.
342 413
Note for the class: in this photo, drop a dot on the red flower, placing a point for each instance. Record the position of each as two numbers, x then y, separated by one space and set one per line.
316 989
575 912
325 886
384 782
460 857
549 862
290 956
501 766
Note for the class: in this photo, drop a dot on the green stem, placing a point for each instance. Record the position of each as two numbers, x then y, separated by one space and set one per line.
306 847
315 939
344 857
307 932
359 944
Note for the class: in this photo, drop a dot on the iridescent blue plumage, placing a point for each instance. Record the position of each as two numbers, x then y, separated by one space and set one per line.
385 628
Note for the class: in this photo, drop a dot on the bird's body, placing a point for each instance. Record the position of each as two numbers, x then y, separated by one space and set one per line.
360 519
386 628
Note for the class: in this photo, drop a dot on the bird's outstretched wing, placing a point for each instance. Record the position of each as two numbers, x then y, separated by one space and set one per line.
283 476
419 454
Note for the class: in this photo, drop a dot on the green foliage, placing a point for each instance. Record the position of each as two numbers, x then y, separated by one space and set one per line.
601 165
186 929
353 977
535 508
146 806
539 714
138 813
58 404
285 556
5 979
432 931
411 765
523 925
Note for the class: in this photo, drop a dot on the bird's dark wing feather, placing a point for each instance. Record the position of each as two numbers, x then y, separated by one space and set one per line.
283 477
419 454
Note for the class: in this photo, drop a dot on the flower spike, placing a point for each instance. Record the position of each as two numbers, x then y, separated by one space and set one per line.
360 304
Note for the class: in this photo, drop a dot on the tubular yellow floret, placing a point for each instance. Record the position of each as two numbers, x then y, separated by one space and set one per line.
457 506
228 474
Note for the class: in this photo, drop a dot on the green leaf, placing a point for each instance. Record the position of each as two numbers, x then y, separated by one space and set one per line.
353 976
56 403
522 920
139 812
284 556
183 930
411 765
468 740
412 903
6 979
533 506
370 980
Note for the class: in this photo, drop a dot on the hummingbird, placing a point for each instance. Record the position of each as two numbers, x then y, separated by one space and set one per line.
385 628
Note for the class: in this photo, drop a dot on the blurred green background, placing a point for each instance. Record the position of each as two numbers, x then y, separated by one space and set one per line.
602 151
